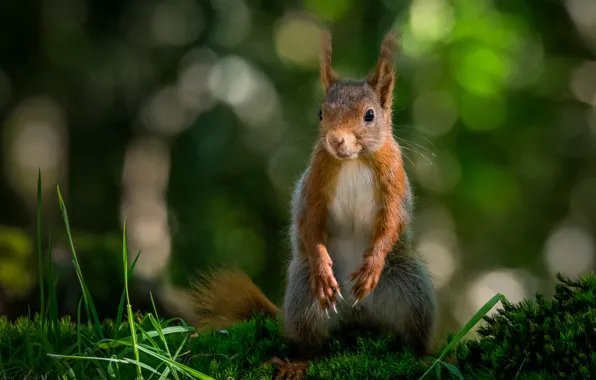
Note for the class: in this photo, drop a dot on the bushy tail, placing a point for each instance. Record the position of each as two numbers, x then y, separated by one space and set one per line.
227 296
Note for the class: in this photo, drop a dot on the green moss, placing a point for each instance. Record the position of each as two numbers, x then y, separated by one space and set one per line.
240 351
538 340
545 339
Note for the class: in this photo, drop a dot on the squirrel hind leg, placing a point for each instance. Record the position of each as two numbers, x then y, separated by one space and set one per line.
305 323
405 302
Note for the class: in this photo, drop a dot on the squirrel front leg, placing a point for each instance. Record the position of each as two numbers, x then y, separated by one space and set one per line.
312 225
392 192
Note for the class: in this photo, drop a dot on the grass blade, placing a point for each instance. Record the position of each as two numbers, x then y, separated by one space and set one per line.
158 328
131 321
86 295
467 327
113 360
155 322
123 298
453 369
29 349
185 369
79 324
166 373
177 354
52 299
113 369
147 337
39 251
109 343
141 364
180 347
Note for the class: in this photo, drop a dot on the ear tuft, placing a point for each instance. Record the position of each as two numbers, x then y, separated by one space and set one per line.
327 74
383 78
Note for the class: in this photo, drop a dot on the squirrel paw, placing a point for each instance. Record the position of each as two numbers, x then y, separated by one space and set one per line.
367 277
325 287
288 370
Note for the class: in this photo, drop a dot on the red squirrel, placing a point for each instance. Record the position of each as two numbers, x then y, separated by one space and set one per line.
352 261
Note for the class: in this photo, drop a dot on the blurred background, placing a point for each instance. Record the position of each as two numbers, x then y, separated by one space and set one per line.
193 119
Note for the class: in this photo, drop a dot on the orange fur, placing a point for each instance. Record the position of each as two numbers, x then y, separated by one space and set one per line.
327 74
387 162
226 297
318 191
391 193
383 78
390 183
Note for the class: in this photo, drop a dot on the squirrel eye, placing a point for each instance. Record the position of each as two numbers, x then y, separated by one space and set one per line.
320 114
369 116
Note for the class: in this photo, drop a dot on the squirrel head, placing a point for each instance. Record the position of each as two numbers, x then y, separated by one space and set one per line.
355 118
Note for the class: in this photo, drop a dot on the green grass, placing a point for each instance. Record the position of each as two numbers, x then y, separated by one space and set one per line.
134 346
48 347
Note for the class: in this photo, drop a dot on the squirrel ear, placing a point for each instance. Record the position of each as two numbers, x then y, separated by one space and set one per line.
383 78
327 74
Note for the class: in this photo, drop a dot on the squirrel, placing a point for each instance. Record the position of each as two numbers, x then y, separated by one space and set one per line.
352 261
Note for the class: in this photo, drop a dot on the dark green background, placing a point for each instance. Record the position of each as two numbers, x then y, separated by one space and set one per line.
515 165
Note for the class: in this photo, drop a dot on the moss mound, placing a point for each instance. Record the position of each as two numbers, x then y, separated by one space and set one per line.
538 340
545 339
240 351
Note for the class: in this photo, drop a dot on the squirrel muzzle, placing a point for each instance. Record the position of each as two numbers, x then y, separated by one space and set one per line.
342 144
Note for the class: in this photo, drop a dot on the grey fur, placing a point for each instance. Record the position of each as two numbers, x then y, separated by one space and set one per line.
305 321
349 92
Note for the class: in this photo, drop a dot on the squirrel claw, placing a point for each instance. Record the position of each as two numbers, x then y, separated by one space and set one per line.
327 314
355 303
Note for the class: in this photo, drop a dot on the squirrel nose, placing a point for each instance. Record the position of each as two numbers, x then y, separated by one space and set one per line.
335 140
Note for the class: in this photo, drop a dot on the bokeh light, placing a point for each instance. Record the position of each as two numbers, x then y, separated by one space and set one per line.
434 113
176 22
193 92
297 40
34 138
583 82
569 251
145 177
583 13
233 22
513 284
437 244
431 20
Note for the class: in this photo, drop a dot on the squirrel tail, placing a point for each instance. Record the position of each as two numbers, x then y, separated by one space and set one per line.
227 296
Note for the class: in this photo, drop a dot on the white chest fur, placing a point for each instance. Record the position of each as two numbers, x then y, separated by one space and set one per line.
351 218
